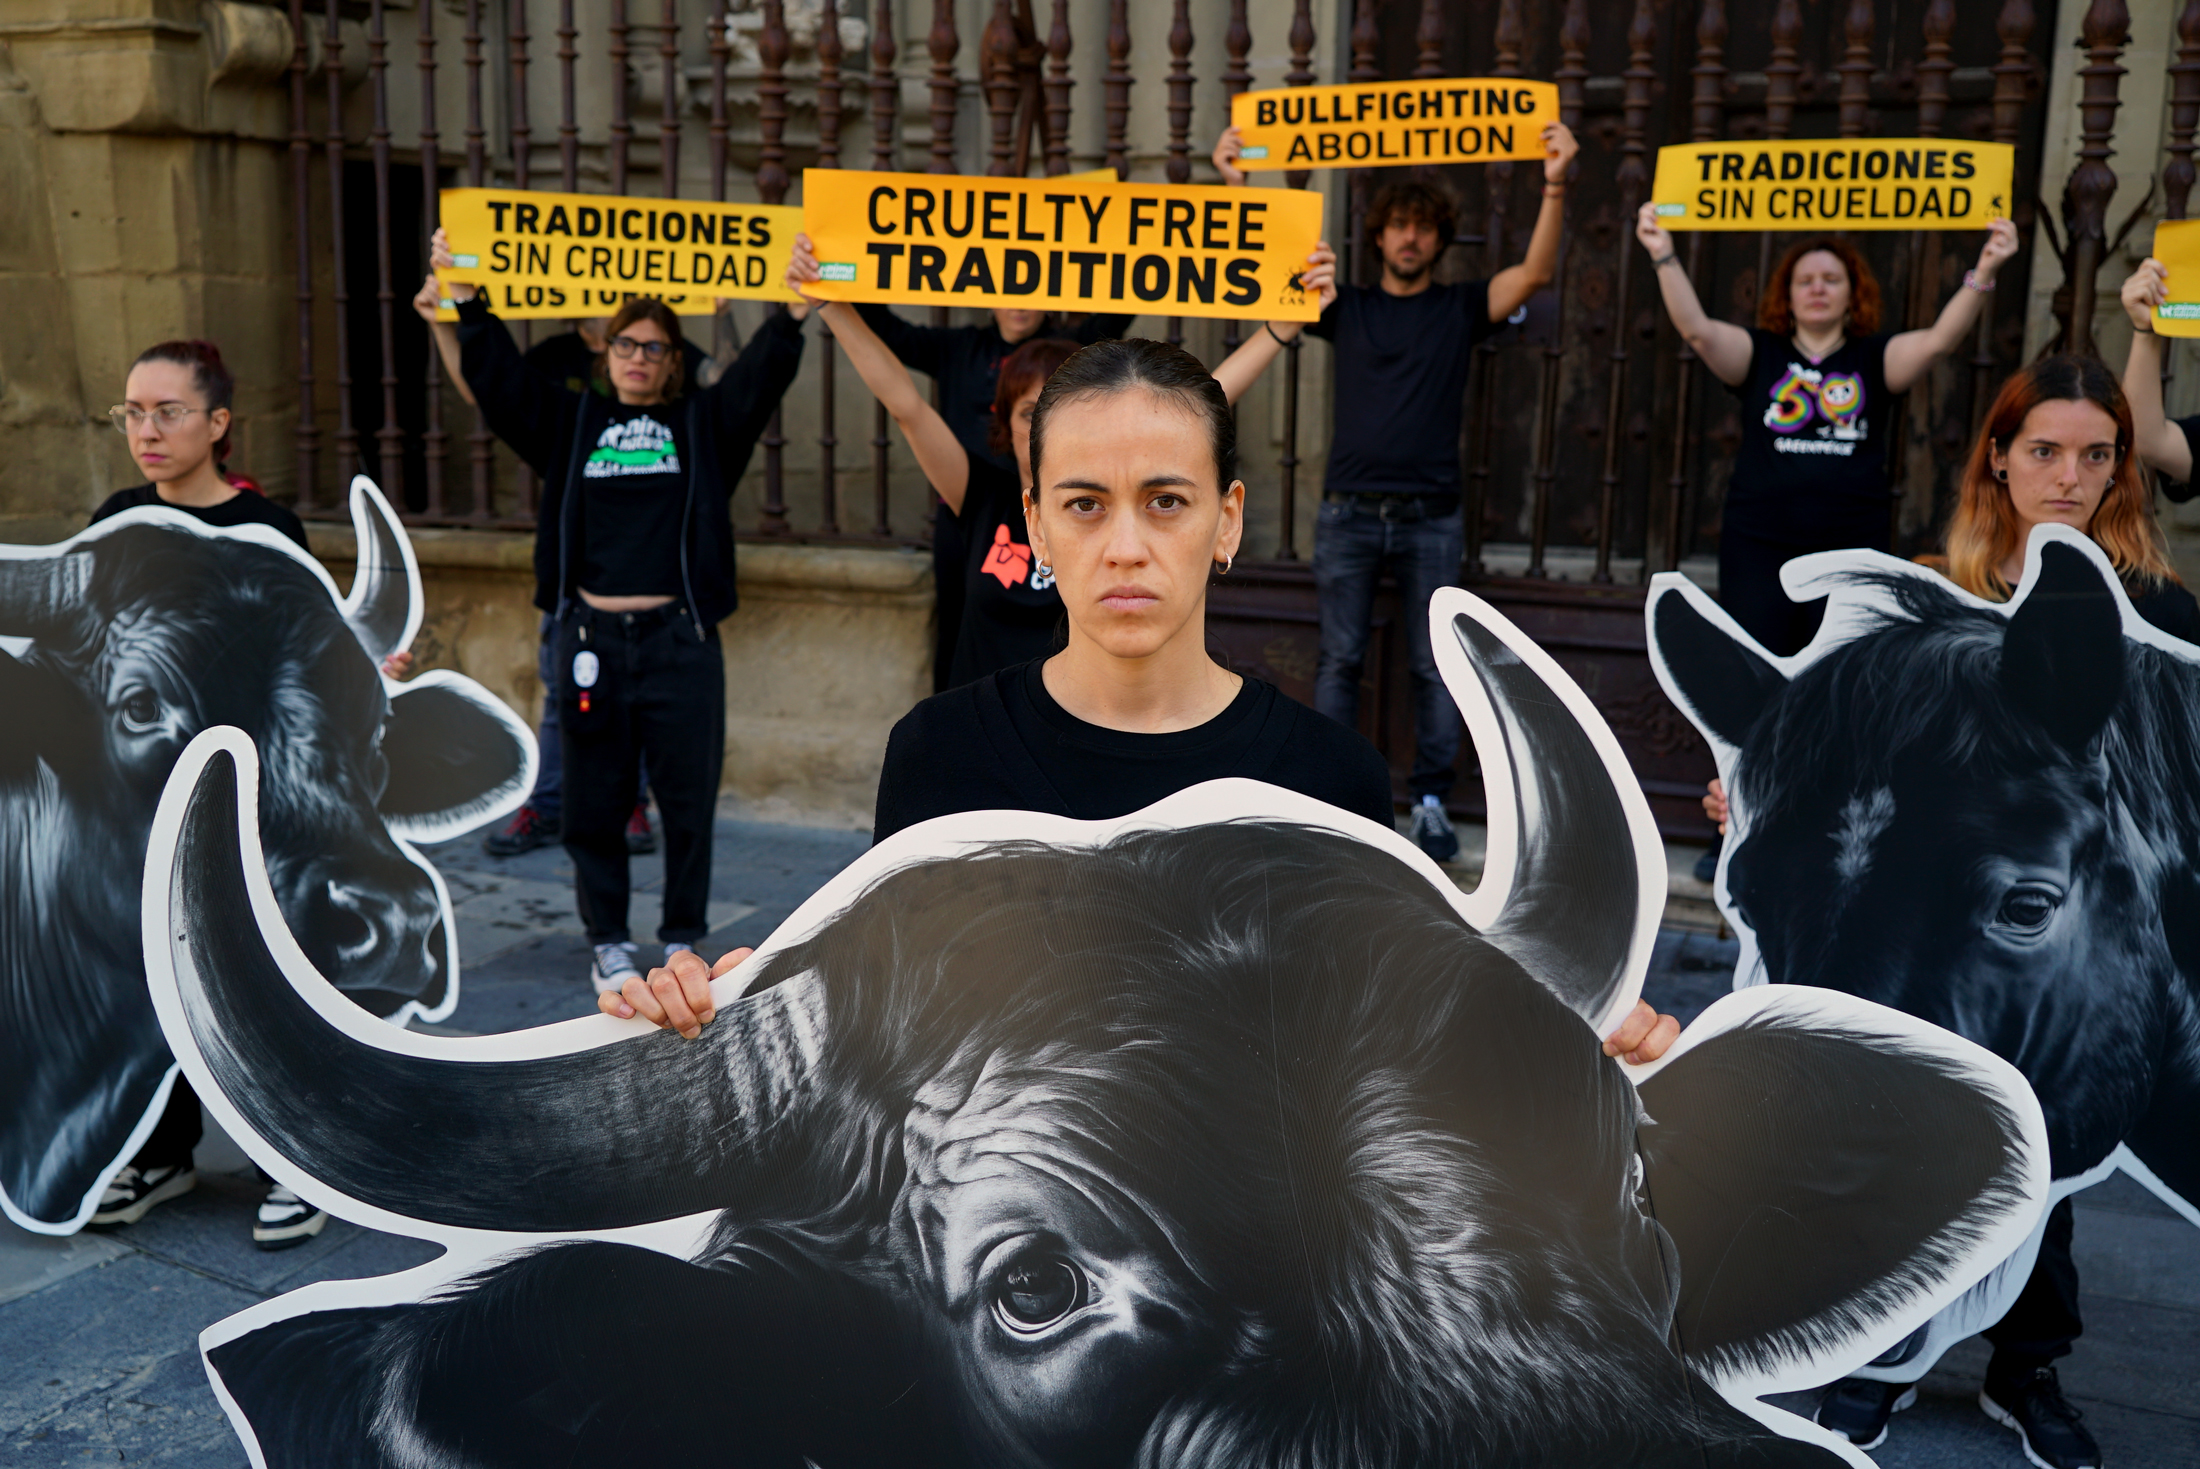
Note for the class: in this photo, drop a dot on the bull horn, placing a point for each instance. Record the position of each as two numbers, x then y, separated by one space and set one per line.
551 1131
39 590
1574 881
383 607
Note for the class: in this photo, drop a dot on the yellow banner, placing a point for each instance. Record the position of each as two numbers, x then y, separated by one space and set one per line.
1062 245
2177 246
1378 124
1835 183
580 255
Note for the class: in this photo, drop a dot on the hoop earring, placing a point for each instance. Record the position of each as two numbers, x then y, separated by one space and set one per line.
1227 562
1044 569
2002 475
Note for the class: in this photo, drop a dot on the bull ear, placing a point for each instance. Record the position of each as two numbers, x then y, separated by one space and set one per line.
1716 672
457 757
383 606
2062 660
1833 1173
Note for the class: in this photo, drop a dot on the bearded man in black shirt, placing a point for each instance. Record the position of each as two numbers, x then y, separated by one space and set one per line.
1391 498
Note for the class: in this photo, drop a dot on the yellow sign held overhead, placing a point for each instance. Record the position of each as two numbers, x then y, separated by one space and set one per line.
1379 124
538 254
2177 246
1062 244
1835 184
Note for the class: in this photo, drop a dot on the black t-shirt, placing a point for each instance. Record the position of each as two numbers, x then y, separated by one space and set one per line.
1813 458
1003 743
567 360
633 489
2168 606
2179 493
246 507
1010 607
1401 376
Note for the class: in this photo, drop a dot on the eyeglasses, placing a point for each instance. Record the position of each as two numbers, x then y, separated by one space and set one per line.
623 347
167 415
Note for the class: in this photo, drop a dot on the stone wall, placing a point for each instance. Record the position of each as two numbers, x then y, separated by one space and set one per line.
831 645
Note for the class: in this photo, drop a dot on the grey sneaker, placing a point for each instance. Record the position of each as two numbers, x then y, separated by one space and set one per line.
676 947
1432 833
136 1190
613 967
285 1220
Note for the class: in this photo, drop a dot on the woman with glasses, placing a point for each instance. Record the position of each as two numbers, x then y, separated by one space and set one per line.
634 559
175 413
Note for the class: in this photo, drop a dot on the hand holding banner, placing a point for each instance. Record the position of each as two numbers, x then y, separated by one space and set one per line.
1835 183
538 254
2177 246
1061 245
1376 124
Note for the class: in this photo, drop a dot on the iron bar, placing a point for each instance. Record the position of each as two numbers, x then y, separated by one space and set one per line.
306 436
1481 429
1179 167
622 127
1707 117
997 63
885 126
1116 87
2012 77
829 56
2092 183
942 43
389 437
1634 185
1572 78
569 128
434 442
1058 89
347 436
668 121
480 443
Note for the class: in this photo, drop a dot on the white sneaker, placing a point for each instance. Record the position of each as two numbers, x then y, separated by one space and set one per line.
134 1191
613 967
285 1220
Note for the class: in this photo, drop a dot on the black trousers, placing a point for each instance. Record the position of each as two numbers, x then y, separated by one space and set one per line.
658 693
170 1143
1749 576
2043 1321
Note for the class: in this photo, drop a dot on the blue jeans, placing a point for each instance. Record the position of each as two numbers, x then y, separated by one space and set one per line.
1353 546
548 798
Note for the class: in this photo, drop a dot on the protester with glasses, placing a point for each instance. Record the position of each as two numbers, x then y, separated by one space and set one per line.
634 558
175 412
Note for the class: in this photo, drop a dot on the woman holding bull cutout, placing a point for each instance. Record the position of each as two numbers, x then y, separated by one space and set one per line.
1133 504
634 558
2057 448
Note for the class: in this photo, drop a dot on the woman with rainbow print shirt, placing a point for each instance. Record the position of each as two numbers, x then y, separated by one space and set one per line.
1818 381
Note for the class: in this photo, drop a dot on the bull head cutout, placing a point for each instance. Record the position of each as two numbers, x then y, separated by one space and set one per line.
1983 814
1229 1133
122 644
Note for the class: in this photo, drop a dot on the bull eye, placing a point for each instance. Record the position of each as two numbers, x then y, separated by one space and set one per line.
1037 1289
2028 907
140 709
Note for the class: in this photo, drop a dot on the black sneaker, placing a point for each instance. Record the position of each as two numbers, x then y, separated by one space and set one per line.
640 838
2052 1431
1858 1409
1432 833
1707 865
285 1220
523 833
136 1190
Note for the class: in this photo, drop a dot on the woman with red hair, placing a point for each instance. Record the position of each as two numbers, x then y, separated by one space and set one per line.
1816 377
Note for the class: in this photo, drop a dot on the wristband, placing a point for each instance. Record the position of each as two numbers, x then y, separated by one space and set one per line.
1553 191
1659 262
1270 328
2142 331
1970 279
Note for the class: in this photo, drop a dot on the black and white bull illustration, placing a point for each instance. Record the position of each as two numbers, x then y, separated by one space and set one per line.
1227 1134
121 645
1985 815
